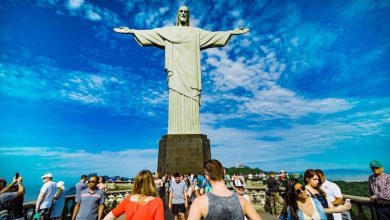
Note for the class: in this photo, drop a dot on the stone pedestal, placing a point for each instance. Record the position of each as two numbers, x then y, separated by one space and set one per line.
183 153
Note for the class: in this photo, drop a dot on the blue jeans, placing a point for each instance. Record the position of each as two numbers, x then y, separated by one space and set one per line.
382 211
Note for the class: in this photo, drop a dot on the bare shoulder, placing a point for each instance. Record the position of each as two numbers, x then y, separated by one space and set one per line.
201 200
199 208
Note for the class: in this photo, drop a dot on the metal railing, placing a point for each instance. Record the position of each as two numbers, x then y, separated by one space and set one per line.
112 198
362 208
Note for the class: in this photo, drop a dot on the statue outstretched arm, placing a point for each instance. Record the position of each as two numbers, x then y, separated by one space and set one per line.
124 30
239 31
144 37
210 39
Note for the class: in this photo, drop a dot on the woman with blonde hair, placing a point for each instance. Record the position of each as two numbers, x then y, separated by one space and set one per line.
144 202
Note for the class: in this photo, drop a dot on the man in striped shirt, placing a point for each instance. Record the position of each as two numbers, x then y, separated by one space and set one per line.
379 190
90 203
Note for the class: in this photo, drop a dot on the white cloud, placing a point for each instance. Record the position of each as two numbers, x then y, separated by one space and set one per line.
259 77
75 4
110 87
123 163
153 18
83 9
287 145
93 16
280 102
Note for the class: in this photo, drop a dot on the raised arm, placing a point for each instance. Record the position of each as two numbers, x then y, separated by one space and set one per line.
20 187
6 189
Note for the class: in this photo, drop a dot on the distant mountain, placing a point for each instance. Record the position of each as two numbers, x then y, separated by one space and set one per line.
348 175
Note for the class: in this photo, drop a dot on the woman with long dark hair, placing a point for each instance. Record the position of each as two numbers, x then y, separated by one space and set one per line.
298 205
313 187
144 202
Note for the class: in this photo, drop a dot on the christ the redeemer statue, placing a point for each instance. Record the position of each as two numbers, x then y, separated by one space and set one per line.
182 45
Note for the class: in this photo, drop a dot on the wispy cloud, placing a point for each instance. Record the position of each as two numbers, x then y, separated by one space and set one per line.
75 4
123 163
108 88
307 80
297 141
83 9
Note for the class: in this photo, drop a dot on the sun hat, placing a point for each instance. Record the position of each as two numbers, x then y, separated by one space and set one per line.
60 184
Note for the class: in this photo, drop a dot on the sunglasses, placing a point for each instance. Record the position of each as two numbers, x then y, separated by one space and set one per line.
374 168
300 190
91 181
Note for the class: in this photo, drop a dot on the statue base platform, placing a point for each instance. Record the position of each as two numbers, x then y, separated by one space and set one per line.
183 153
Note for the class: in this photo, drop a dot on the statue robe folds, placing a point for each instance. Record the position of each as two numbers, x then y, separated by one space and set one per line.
182 46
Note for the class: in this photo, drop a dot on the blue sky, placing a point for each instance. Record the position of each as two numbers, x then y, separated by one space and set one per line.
308 87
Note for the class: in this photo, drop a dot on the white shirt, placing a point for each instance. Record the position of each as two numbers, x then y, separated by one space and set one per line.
332 191
49 189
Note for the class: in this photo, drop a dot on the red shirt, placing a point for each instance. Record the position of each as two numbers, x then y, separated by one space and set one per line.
153 210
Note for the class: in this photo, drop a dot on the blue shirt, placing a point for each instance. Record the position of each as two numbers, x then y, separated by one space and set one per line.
80 187
201 181
89 204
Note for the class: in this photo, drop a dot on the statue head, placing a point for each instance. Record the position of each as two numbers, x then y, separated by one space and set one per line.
183 16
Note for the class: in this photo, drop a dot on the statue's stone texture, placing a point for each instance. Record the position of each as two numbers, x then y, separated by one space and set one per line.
183 153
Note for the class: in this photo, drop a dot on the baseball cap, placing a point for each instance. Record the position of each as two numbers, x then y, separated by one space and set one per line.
46 175
375 163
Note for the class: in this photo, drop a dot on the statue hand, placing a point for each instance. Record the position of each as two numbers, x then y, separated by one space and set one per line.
124 30
240 30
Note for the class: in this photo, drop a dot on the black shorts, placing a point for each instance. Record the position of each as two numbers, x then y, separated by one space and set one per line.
176 208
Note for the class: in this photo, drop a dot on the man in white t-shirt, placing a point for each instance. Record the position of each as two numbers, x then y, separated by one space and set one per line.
46 195
333 193
177 197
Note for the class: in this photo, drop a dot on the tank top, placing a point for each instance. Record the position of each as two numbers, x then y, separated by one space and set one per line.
222 208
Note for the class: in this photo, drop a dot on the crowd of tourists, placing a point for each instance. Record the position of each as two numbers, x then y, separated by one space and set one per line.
312 197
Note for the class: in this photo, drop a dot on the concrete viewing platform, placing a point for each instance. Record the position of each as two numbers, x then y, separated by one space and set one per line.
169 216
362 208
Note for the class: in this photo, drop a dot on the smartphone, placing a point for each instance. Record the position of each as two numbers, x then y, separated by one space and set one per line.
347 200
16 175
